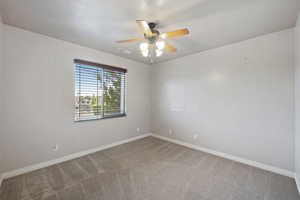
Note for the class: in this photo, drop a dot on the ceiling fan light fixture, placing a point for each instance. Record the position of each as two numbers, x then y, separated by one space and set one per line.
144 46
154 44
160 45
158 52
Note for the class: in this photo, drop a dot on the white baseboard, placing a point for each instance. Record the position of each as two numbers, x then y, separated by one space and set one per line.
66 158
83 153
230 157
297 182
1 179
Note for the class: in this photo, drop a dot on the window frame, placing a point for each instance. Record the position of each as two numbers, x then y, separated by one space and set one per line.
123 89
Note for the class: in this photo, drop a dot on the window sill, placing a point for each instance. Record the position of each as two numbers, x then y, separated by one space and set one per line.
107 117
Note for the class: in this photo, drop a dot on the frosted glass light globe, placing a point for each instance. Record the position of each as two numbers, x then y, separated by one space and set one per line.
145 53
160 45
144 46
158 52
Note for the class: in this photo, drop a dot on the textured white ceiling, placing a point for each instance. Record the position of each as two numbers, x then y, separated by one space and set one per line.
99 23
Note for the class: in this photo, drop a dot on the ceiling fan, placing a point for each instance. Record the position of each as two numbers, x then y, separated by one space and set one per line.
154 39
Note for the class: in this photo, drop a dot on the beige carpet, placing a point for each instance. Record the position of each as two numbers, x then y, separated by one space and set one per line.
149 169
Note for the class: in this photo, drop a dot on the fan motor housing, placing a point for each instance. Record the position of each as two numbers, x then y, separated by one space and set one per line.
155 33
152 25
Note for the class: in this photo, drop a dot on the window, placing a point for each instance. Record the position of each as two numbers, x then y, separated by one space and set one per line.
99 91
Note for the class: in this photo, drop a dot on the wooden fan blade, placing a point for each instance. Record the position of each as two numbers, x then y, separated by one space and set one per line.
144 27
170 48
176 33
131 40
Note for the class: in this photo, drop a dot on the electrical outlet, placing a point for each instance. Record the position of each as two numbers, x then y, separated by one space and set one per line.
138 130
55 148
170 131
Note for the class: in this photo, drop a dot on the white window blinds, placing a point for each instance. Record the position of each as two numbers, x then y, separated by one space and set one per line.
99 91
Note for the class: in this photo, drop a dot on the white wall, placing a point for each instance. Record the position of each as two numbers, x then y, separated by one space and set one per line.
237 98
38 100
1 91
297 99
